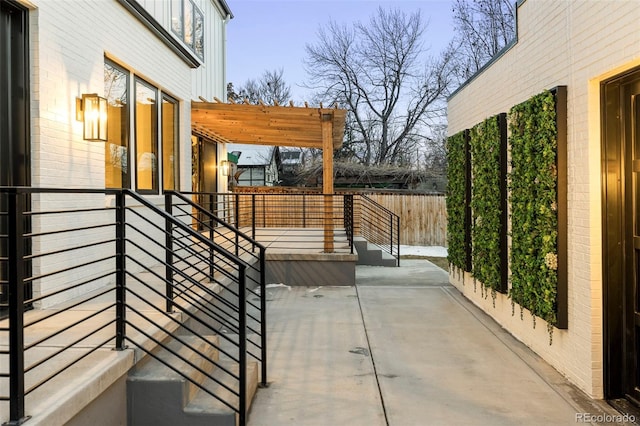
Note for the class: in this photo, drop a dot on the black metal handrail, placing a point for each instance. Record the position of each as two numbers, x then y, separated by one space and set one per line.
357 214
243 246
265 215
124 254
379 225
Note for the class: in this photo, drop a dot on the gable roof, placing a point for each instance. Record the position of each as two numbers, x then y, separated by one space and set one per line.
252 155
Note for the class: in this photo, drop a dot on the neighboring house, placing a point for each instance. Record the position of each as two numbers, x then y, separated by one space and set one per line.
257 164
293 160
592 48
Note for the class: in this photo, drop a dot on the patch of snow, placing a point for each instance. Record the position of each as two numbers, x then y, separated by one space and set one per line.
278 285
432 251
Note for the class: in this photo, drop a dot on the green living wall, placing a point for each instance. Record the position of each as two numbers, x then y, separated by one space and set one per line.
486 205
456 200
534 206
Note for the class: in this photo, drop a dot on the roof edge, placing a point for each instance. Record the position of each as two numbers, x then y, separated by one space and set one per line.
493 60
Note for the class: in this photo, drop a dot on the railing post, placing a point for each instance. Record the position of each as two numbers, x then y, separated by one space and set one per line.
304 210
120 271
391 228
236 198
212 254
398 222
242 343
16 269
168 269
350 219
263 315
253 216
211 210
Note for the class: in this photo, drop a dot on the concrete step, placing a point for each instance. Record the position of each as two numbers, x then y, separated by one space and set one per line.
203 409
371 254
156 394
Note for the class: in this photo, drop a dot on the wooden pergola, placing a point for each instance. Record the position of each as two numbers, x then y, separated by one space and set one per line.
275 125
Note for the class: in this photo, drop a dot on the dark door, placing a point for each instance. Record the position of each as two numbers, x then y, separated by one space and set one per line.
205 180
14 112
621 192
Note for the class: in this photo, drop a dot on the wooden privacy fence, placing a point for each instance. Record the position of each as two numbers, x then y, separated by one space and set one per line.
423 217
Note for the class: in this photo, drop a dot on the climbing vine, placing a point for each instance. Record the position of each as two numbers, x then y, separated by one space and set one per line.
485 203
456 200
534 206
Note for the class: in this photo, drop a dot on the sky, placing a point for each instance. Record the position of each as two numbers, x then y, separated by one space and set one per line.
272 34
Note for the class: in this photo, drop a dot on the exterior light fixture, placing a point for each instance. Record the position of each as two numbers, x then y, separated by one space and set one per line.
91 109
225 167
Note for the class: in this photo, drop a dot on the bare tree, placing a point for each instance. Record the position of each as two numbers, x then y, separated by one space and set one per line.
380 73
482 29
435 154
271 89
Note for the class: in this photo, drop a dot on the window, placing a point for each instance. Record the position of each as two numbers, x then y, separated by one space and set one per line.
187 22
152 152
146 119
116 89
169 143
251 176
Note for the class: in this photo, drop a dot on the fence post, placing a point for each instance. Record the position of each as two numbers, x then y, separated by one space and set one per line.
168 249
120 271
16 270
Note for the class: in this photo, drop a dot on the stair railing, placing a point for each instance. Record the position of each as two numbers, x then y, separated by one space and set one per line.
137 274
243 246
378 225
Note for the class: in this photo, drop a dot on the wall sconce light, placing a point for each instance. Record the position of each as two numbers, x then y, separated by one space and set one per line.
225 167
91 109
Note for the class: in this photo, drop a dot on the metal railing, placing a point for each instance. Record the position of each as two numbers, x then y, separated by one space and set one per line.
379 225
113 270
266 216
261 213
243 247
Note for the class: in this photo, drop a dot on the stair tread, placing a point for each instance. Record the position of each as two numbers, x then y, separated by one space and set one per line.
153 369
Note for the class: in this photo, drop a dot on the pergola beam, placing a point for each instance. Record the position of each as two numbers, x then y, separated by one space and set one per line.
275 125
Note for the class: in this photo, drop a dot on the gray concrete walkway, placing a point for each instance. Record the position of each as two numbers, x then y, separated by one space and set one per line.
403 348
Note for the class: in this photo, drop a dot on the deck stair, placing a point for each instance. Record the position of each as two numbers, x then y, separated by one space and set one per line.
372 254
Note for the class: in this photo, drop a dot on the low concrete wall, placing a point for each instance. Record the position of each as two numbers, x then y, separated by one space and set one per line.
311 269
108 409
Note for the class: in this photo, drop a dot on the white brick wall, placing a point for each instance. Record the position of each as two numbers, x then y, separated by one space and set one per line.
579 44
69 40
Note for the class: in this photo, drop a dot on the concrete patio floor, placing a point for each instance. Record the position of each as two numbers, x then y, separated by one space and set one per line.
402 348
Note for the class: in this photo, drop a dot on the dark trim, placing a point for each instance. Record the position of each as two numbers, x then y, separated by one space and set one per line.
618 278
154 26
562 297
497 56
176 143
225 8
156 142
503 286
612 253
467 200
126 143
